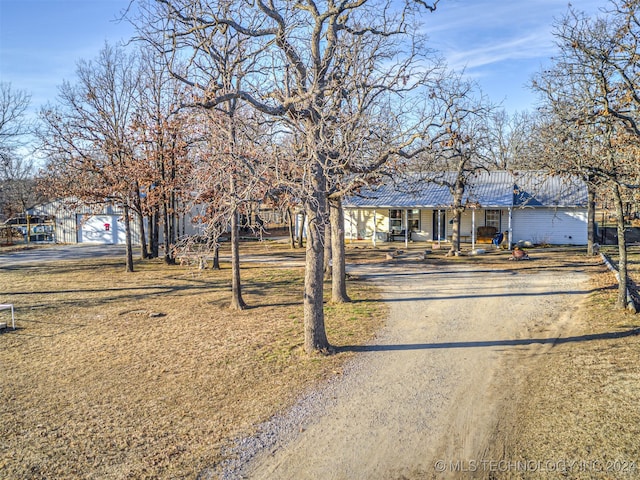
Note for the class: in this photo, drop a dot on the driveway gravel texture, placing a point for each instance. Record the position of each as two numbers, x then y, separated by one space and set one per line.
427 394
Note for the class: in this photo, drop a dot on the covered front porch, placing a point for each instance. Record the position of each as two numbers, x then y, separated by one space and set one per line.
427 224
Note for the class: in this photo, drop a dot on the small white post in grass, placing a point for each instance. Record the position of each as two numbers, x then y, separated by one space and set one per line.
7 306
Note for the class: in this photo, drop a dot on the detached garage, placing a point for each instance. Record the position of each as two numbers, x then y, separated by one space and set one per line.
84 224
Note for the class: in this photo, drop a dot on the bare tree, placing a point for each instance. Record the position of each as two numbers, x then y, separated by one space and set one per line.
460 143
509 137
221 63
13 124
16 169
228 180
592 97
88 136
557 147
18 190
163 133
294 47
378 118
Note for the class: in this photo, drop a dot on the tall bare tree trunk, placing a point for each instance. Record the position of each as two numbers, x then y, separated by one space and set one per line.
169 257
175 232
327 252
150 234
455 231
457 214
237 303
292 237
301 228
127 230
154 233
591 217
315 336
622 249
216 255
339 272
144 253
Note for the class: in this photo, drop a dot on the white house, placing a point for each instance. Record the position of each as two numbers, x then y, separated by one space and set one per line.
530 206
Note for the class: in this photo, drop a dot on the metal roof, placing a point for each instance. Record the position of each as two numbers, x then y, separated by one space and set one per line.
496 189
536 189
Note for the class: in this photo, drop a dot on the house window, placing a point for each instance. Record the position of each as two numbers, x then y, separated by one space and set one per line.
492 219
395 221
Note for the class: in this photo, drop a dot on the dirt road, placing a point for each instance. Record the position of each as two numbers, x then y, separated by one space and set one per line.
424 399
55 253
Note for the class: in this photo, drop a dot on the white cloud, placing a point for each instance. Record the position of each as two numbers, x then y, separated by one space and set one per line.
501 44
531 46
485 32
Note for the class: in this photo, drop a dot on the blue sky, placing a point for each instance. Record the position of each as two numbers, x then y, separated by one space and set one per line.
500 43
42 40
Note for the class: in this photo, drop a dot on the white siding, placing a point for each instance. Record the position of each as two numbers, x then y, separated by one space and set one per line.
466 223
426 226
358 224
428 231
70 228
536 225
65 221
551 226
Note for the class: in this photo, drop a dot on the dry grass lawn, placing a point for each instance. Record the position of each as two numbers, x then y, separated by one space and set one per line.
149 375
577 413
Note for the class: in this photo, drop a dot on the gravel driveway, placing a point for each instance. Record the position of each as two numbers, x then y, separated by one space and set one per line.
428 392
53 253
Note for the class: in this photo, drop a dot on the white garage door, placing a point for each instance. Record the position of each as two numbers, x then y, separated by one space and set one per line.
100 229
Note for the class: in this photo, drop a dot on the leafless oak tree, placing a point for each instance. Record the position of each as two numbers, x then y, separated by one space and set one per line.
163 132
459 142
88 137
16 169
296 50
592 100
510 136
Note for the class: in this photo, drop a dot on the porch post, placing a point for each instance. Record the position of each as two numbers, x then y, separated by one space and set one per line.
510 229
406 228
351 226
473 228
439 227
375 226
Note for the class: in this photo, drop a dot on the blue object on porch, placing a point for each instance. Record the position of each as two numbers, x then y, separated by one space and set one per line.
498 238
